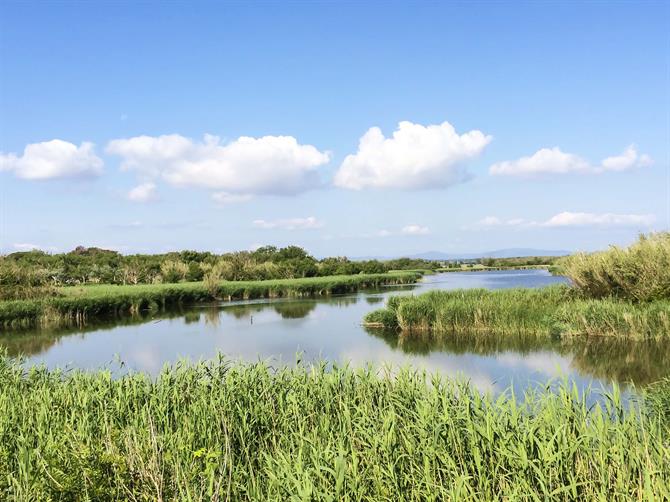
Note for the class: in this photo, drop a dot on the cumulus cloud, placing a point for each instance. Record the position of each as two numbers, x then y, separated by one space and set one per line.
415 157
555 161
143 192
290 223
629 159
568 219
415 230
266 165
572 219
53 159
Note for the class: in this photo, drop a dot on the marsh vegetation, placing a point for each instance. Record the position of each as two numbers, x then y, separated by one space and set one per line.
217 431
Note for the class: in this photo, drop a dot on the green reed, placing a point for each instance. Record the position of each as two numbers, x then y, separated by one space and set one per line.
556 310
639 273
216 431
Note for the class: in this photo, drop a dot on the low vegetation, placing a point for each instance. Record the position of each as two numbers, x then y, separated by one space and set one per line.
619 292
75 304
219 432
22 283
547 311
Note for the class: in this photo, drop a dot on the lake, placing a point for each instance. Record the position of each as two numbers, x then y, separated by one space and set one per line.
283 331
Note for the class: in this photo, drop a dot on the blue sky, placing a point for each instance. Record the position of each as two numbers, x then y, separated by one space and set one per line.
146 126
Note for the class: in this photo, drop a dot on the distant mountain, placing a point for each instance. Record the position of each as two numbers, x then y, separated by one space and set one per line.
499 253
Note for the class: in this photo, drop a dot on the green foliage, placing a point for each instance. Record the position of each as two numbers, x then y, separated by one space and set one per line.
555 310
217 431
100 266
174 271
23 283
658 397
639 273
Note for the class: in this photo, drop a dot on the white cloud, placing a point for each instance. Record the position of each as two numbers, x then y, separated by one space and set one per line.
53 159
629 159
416 157
415 230
568 219
223 198
266 165
555 161
290 224
143 192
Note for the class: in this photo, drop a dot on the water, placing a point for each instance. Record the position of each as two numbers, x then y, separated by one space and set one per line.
280 331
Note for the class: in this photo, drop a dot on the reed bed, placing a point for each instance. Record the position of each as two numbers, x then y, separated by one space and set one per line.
76 304
216 431
639 273
551 311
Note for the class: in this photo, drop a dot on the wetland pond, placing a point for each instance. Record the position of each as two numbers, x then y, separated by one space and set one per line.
281 331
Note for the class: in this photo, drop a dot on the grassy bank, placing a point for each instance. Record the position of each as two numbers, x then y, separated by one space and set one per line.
556 310
76 304
215 432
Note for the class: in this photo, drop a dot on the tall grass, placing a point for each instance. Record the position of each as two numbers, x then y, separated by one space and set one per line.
554 310
76 304
215 431
639 273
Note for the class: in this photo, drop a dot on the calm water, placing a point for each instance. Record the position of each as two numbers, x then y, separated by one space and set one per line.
279 331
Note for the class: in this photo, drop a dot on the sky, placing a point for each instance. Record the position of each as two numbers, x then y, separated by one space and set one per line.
348 128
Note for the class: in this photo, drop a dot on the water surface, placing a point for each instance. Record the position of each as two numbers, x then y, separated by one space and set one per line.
282 330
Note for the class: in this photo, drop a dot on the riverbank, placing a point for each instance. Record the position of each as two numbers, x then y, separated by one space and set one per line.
551 311
216 431
80 303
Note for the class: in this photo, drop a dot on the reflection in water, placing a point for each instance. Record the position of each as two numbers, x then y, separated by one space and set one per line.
374 300
329 328
641 362
603 358
294 310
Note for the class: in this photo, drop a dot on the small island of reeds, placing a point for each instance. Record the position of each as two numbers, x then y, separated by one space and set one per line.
618 292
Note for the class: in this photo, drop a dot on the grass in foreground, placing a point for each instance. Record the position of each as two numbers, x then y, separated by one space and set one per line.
75 304
214 432
555 310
